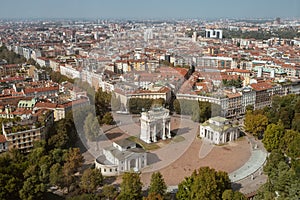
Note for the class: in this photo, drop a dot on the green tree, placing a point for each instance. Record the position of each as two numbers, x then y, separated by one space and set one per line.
176 105
32 189
91 127
273 136
115 102
73 159
64 133
282 178
109 192
293 148
205 184
10 56
255 123
56 175
138 105
131 187
288 138
296 122
108 119
157 184
12 167
265 192
185 187
85 197
102 102
91 179
153 196
233 195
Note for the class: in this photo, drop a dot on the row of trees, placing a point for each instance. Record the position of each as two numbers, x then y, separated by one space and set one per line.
10 56
138 105
278 128
29 176
262 35
238 83
206 183
59 78
199 110
285 109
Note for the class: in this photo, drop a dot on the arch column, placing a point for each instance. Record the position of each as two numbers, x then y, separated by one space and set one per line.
169 129
164 130
154 133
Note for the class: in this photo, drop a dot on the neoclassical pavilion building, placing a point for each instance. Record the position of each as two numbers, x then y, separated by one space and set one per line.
218 130
122 156
155 124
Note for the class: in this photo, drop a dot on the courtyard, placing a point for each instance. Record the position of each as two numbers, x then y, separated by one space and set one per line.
178 157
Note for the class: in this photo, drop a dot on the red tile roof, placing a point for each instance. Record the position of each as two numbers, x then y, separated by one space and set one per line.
2 139
261 86
41 89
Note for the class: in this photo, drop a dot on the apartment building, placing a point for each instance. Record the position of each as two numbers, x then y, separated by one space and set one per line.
22 134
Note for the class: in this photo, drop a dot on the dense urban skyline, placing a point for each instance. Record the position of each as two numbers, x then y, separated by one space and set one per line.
154 9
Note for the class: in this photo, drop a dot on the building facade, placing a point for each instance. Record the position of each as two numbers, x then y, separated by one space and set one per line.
22 135
218 130
122 156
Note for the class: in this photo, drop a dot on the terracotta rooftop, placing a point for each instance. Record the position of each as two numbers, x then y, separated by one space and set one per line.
261 86
2 139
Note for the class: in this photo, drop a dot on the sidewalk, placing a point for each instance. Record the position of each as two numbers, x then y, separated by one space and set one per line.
255 162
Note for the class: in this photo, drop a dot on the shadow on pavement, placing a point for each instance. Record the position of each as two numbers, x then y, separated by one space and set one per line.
180 131
152 158
112 136
236 186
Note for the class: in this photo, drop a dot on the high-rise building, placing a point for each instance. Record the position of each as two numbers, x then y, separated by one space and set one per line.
148 35
214 33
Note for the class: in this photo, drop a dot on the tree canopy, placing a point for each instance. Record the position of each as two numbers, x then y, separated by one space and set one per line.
10 56
255 123
157 184
199 110
204 184
91 179
273 136
131 187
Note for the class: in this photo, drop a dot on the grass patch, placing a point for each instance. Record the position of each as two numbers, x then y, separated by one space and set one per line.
222 144
240 138
178 138
144 145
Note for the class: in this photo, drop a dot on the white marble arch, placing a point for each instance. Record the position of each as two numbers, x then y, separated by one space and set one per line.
155 124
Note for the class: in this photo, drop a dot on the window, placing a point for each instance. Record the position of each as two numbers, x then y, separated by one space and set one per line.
110 170
104 170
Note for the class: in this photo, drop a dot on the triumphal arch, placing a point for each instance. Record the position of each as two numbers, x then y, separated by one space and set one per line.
155 125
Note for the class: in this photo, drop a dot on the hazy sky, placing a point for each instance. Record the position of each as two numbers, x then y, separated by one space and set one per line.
149 9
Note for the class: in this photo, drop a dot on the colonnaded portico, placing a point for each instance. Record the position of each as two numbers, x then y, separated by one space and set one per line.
155 124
